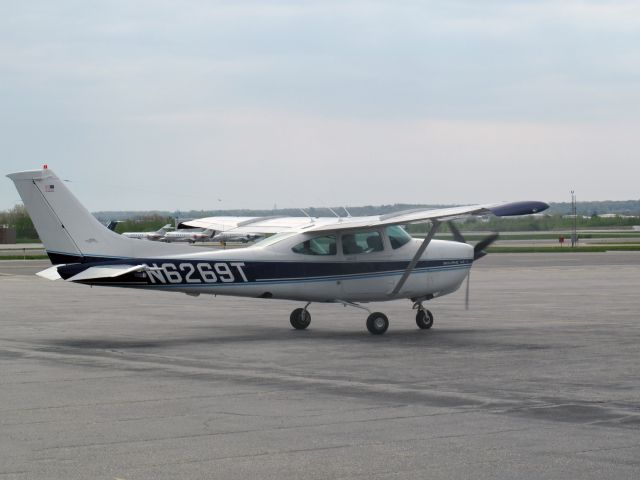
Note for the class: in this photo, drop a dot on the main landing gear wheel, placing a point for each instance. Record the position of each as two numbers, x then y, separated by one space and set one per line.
300 318
424 319
377 323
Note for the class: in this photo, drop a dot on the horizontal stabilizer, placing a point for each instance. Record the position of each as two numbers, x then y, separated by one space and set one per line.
107 271
50 273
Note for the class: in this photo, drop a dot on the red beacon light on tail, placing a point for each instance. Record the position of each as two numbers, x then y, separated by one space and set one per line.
45 166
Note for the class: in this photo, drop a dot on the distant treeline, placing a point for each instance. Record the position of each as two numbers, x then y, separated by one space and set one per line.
619 207
144 223
18 218
553 219
535 223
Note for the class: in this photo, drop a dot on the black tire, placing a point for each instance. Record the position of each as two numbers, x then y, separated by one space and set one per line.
300 319
377 323
424 319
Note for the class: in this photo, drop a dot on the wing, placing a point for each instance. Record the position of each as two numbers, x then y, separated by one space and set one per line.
243 225
440 214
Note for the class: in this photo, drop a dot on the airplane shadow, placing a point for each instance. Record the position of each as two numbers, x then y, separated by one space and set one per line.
243 335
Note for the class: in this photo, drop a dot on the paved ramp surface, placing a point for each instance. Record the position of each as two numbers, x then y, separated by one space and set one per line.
539 380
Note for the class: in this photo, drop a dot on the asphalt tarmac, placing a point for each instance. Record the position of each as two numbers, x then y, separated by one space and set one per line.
540 380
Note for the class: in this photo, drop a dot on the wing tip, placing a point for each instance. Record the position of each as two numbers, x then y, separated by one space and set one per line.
519 208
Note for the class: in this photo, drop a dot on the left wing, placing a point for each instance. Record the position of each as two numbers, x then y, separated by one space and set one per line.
243 225
439 214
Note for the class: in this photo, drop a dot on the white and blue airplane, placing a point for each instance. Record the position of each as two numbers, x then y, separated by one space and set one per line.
348 261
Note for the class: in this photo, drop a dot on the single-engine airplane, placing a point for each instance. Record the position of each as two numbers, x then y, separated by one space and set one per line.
350 261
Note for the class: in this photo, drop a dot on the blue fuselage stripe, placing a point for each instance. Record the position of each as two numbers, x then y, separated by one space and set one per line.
193 273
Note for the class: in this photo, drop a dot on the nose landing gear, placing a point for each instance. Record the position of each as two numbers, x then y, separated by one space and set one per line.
424 318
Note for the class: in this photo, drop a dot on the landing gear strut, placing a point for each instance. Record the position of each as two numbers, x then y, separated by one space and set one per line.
300 318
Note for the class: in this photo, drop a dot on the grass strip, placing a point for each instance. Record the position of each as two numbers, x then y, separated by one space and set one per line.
589 248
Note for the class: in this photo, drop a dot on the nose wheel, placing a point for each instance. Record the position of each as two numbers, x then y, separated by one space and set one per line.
424 319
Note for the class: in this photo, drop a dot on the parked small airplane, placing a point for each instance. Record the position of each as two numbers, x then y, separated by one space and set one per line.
237 237
157 235
347 261
188 235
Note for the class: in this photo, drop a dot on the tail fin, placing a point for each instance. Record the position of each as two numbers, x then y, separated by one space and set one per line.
164 229
68 231
113 224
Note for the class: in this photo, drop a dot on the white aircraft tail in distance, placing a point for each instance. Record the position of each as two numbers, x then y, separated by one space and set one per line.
348 261
157 235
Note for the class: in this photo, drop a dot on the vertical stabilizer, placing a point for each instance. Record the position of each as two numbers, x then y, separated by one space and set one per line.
68 230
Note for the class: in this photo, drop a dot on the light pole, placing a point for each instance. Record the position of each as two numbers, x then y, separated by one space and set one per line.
574 212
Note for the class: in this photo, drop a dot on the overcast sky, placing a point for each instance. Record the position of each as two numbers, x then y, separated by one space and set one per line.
231 104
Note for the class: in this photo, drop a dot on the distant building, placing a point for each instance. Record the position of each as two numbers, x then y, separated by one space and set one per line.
616 215
7 234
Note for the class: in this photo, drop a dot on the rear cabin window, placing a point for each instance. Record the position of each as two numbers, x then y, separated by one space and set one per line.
317 246
362 242
397 236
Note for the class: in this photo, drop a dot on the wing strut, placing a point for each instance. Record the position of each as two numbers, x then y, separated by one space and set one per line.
416 257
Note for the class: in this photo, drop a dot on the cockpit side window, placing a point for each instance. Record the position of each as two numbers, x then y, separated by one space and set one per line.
362 242
397 236
325 245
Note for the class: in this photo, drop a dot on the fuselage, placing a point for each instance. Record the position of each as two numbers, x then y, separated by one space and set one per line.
276 271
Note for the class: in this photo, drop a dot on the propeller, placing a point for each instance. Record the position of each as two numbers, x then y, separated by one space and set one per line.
478 252
478 249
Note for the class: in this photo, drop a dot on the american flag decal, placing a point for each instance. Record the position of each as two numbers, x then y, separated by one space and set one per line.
49 188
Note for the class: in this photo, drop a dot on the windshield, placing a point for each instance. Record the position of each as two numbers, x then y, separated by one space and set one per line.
397 236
